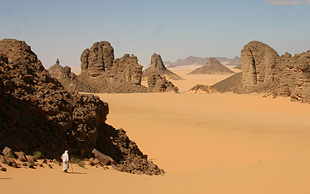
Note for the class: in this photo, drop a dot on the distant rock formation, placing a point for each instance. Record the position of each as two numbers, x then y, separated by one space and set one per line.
100 72
197 60
157 66
264 71
189 61
38 114
238 66
64 76
158 83
234 62
212 67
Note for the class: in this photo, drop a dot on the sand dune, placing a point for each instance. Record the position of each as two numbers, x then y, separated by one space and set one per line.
208 143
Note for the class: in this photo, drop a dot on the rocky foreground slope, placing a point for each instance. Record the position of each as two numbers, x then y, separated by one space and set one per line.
38 114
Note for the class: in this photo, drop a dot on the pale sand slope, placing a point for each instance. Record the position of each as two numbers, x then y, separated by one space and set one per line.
218 143
194 79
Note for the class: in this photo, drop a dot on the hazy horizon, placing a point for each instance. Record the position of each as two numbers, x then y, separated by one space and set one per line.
173 29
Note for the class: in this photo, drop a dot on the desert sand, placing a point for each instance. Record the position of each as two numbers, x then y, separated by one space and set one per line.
207 143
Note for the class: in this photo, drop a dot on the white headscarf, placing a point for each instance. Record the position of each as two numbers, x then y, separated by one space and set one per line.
65 156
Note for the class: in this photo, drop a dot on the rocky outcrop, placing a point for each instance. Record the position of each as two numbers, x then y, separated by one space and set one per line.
157 83
102 73
263 70
98 59
101 69
158 67
38 114
64 75
212 67
258 64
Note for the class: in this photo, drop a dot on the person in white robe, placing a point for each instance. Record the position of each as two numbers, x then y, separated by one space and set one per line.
65 161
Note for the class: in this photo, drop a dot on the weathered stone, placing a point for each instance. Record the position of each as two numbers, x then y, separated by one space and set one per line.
7 152
21 156
104 159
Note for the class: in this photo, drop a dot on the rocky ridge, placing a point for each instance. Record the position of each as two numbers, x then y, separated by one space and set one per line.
38 114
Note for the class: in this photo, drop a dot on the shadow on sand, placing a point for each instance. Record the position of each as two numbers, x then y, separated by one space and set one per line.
76 173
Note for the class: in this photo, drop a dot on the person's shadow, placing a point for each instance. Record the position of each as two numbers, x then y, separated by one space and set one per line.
76 173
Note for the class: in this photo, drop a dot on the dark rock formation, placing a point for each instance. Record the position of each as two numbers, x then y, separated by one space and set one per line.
212 67
158 67
37 114
157 83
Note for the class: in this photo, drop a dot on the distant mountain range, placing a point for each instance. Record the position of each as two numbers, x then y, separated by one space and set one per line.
202 61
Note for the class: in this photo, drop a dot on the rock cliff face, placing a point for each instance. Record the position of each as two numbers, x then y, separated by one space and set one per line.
157 83
38 114
258 64
98 59
212 67
158 67
263 70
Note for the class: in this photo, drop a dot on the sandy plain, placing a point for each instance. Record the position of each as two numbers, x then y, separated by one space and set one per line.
207 143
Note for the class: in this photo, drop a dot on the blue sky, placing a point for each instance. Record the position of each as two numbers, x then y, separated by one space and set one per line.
173 28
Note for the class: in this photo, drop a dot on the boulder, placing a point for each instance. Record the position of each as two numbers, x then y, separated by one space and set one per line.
104 159
21 156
